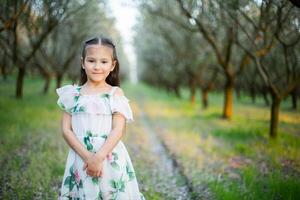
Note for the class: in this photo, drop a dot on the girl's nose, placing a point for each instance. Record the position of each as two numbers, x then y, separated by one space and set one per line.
97 65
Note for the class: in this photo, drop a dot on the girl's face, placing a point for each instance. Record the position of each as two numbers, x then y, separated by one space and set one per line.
98 62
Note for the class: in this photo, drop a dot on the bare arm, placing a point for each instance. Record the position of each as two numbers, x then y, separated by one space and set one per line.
113 138
118 128
70 137
94 163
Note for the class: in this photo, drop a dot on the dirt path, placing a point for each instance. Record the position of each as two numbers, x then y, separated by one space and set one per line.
169 177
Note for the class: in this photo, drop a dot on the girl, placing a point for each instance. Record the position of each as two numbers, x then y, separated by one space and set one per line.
94 118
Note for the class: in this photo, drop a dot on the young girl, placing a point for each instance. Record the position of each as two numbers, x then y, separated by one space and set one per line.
94 119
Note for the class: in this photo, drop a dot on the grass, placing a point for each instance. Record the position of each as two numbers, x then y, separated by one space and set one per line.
32 153
223 159
236 159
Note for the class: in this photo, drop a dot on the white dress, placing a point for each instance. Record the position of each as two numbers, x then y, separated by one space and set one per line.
92 123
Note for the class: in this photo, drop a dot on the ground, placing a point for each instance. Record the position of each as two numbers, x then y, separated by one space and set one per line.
179 150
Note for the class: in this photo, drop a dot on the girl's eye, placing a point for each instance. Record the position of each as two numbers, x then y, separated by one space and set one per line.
104 62
90 60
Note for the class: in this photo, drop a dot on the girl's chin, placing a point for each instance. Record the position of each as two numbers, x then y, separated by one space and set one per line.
97 79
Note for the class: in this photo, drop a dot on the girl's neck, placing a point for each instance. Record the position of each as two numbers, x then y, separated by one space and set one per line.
96 85
90 88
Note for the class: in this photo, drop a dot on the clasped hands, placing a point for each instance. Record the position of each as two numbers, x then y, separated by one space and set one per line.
94 165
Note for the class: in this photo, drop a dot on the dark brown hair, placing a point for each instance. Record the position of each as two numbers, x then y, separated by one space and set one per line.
113 78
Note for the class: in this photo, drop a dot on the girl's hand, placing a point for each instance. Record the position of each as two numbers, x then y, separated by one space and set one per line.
93 165
87 156
91 158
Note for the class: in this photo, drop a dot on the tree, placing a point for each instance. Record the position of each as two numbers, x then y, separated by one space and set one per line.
274 28
30 30
213 22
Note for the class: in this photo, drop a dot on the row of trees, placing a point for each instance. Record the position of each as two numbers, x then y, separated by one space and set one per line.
45 37
246 46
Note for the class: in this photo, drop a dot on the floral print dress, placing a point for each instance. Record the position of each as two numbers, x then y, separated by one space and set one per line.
91 123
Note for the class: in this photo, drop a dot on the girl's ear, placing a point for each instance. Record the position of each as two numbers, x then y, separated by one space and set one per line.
82 65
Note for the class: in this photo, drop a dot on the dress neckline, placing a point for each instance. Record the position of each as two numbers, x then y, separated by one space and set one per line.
96 94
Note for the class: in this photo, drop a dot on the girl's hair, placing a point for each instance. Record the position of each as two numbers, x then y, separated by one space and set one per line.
113 78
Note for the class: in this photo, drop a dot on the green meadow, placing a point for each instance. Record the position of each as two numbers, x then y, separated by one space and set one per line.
220 159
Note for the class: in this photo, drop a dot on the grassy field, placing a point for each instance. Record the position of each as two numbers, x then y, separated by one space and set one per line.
221 159
229 159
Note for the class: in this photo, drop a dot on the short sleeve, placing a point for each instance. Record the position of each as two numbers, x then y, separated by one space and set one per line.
66 96
121 105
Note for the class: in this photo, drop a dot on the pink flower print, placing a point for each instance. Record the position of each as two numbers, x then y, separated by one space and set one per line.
77 177
109 156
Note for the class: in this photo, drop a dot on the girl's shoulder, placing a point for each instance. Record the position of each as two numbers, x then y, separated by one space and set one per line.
67 89
117 91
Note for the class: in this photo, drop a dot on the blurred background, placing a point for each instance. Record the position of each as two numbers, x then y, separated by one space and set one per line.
214 87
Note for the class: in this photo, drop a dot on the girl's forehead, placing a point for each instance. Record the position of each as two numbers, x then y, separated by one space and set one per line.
98 48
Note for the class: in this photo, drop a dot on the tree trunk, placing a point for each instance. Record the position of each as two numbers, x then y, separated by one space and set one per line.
252 94
47 83
238 93
59 78
266 99
274 115
20 80
228 99
193 91
204 98
3 72
294 96
177 92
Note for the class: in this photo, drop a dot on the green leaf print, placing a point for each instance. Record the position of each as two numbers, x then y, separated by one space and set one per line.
104 136
95 180
67 181
104 95
129 172
71 170
113 184
115 165
80 184
119 185
74 108
78 108
100 196
70 182
115 155
81 109
76 98
89 133
87 143
113 195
